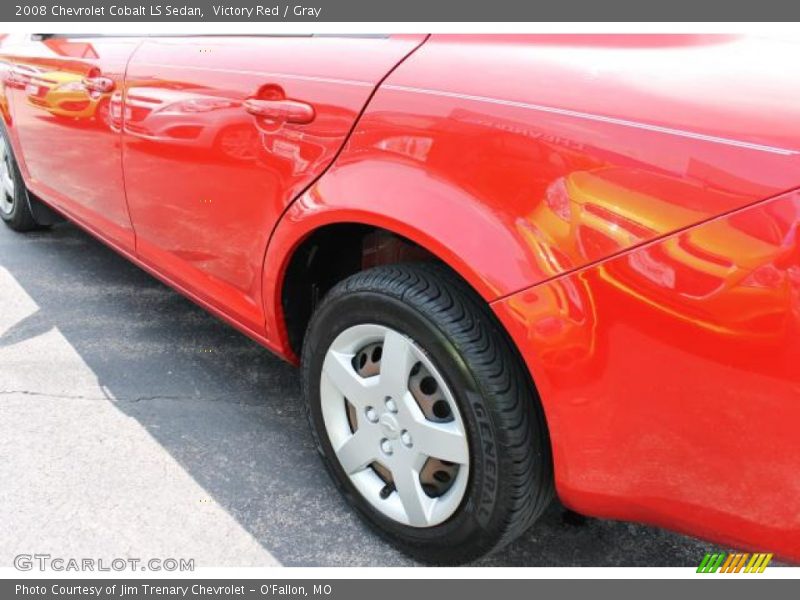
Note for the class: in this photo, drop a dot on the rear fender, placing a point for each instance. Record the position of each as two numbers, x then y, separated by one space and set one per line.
447 221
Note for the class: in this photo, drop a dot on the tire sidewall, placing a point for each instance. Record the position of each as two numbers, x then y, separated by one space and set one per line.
479 509
20 196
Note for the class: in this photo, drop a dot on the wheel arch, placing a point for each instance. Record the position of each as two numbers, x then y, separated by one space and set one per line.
441 222
324 254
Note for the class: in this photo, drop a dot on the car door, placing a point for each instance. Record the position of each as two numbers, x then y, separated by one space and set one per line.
60 110
221 133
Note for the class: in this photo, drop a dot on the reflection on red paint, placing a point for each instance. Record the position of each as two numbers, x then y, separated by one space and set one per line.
676 385
607 195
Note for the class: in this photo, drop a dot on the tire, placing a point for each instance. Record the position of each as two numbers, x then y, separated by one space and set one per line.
445 325
15 209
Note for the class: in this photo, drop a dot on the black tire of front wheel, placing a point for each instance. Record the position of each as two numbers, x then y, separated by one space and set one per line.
20 217
511 480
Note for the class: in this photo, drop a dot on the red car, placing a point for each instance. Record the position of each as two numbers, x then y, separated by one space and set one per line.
508 266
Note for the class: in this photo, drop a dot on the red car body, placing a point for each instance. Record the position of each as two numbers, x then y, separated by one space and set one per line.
625 204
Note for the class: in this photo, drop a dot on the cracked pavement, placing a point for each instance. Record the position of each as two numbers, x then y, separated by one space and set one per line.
134 424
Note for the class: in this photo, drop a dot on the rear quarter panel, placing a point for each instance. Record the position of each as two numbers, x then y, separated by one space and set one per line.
670 379
519 158
610 195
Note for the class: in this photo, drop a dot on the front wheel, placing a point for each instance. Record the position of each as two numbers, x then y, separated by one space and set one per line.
237 142
15 210
424 414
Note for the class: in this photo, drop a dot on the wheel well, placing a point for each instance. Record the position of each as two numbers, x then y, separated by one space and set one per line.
328 256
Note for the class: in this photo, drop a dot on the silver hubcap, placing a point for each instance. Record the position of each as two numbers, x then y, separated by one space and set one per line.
6 178
394 425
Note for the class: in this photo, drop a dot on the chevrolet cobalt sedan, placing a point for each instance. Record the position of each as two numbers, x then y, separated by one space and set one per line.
509 267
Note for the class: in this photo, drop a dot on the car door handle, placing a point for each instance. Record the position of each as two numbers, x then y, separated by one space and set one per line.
98 84
287 111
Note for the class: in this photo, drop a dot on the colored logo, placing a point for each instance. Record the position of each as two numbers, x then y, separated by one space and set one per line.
734 563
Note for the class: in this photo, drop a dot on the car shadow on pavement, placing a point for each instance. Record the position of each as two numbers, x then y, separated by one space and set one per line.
231 415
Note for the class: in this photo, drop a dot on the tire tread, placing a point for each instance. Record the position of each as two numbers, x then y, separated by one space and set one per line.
465 319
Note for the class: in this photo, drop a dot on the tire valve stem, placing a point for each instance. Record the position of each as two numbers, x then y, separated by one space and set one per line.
387 490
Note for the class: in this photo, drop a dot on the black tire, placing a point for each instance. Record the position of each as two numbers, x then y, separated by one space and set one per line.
511 479
19 217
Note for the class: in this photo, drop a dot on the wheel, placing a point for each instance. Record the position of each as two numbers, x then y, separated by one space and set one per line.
237 142
14 207
424 414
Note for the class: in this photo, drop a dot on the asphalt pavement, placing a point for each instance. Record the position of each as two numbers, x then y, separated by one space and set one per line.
135 424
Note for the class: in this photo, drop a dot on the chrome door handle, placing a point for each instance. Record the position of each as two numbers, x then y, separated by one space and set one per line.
98 84
287 111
